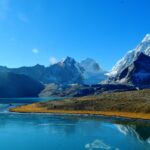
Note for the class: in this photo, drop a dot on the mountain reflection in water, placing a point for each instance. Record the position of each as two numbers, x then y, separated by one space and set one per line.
65 132
141 133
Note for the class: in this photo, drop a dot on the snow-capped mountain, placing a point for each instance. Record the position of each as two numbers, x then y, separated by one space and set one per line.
130 57
93 73
137 73
90 65
134 67
67 71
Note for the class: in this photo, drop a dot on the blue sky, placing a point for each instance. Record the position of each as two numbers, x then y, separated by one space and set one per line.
43 31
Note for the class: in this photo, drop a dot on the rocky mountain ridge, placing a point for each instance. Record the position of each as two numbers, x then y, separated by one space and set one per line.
67 71
133 68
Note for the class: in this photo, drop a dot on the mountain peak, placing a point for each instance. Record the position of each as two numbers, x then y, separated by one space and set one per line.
137 73
143 47
146 38
90 65
89 59
38 66
93 74
68 60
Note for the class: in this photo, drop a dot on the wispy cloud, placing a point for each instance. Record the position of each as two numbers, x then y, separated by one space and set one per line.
23 18
35 50
53 60
4 9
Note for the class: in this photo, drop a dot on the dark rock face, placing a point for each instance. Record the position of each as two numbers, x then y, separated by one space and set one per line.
15 85
138 73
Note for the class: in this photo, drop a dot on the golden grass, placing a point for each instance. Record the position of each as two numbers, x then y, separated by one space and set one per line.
34 108
131 104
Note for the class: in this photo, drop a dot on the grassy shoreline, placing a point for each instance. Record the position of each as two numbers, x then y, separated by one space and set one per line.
131 104
34 109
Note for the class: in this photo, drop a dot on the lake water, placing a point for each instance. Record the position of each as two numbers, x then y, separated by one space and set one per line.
6 103
68 132
26 100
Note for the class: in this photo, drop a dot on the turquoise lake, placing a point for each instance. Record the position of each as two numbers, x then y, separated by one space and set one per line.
71 132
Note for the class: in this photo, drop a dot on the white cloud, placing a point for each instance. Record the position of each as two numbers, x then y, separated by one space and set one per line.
53 60
35 50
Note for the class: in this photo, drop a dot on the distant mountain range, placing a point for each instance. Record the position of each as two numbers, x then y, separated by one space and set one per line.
31 81
67 71
69 77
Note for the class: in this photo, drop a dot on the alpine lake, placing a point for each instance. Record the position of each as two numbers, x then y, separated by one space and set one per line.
68 132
